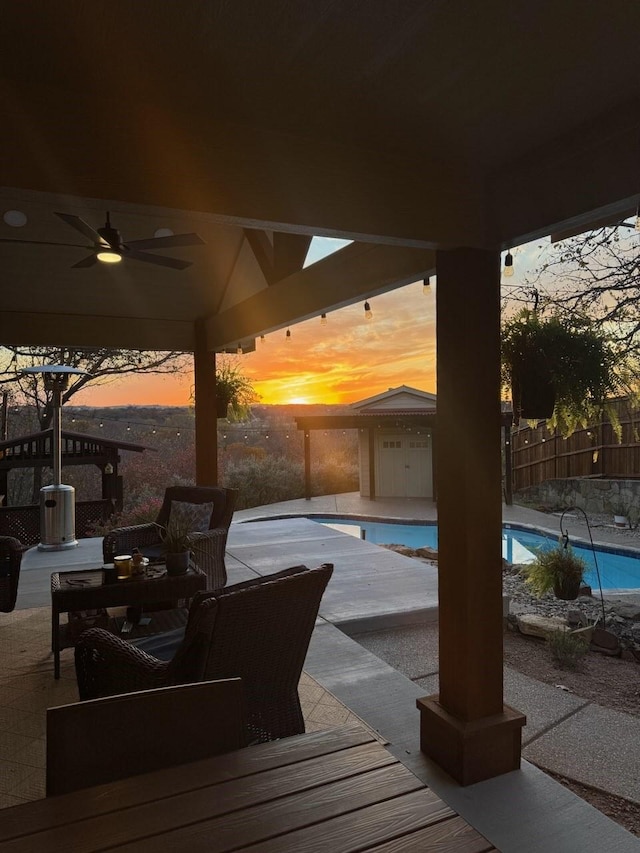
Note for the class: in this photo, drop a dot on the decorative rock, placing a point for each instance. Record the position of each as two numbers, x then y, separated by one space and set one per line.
577 617
627 611
536 625
427 553
605 640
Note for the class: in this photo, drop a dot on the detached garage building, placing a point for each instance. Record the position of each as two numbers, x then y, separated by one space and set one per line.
396 438
402 458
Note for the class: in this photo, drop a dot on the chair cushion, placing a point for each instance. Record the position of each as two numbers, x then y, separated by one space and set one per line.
161 646
195 517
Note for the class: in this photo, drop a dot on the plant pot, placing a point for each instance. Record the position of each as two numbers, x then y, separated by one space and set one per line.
222 404
567 590
534 395
177 564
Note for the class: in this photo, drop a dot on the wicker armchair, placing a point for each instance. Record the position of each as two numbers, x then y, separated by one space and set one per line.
10 559
209 546
258 630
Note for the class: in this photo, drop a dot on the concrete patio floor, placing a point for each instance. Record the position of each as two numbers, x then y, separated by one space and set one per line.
375 590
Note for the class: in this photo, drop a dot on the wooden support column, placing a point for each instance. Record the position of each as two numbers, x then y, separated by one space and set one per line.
204 370
372 463
466 728
307 464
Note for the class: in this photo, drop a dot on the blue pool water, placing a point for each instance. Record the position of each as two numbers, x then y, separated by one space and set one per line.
617 570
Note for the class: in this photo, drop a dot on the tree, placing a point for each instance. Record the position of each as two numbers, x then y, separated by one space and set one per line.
594 275
102 366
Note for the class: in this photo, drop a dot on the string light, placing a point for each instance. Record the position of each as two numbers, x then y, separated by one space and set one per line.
426 282
262 339
638 218
239 349
507 272
288 335
368 313
323 319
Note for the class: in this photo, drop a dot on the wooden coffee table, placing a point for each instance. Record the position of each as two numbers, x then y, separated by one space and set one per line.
89 590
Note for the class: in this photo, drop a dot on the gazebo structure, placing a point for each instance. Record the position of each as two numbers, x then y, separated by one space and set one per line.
35 451
434 136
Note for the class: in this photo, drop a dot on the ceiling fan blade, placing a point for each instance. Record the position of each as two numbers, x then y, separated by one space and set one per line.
89 261
42 243
81 226
160 260
169 242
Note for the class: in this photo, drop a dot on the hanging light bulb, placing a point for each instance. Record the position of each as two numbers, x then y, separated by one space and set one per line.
425 285
239 349
507 272
262 339
368 313
323 319
288 335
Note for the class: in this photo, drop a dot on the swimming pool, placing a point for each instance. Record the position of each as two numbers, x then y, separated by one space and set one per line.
619 568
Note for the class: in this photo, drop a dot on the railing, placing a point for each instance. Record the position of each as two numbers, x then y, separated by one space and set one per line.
23 522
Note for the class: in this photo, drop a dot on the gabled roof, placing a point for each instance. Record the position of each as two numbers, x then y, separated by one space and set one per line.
73 436
403 398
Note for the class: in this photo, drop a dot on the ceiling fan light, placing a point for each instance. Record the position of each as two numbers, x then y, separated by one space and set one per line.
108 256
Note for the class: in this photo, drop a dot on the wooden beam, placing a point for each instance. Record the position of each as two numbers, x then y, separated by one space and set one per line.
547 192
356 272
290 252
27 328
54 138
263 251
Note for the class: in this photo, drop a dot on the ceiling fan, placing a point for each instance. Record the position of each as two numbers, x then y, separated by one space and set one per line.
108 246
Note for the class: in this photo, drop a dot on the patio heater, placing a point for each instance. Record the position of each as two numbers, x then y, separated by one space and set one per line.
57 502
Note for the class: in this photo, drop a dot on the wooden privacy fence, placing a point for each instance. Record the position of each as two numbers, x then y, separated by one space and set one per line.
538 454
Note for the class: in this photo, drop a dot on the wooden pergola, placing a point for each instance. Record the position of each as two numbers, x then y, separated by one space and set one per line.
432 135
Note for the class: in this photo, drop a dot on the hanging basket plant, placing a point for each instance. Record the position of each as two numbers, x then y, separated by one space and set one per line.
559 369
234 391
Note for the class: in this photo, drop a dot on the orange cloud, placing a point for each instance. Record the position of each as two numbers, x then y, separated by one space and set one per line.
346 360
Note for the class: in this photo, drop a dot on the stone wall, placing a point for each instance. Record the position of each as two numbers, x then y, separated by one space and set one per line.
608 497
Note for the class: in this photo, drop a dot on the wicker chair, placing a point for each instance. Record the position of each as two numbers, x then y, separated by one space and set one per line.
209 546
10 559
258 631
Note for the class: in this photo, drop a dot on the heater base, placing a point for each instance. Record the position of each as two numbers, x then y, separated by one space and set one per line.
63 546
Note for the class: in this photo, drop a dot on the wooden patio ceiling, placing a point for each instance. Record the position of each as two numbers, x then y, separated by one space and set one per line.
407 127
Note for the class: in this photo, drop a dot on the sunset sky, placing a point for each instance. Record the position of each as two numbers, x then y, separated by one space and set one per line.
348 359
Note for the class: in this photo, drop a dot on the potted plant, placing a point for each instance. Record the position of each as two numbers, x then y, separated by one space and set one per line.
176 545
559 368
234 391
558 570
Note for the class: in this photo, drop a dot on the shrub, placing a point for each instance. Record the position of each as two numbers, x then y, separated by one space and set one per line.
553 570
265 481
567 648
